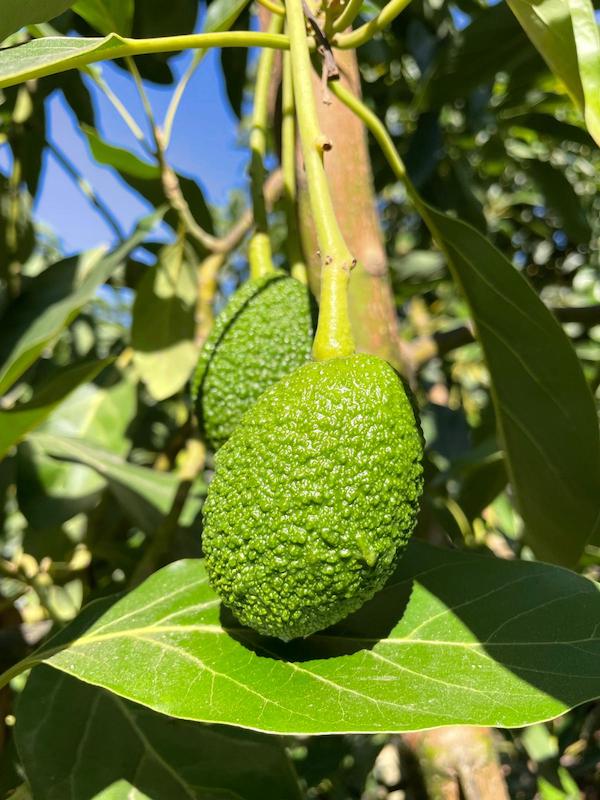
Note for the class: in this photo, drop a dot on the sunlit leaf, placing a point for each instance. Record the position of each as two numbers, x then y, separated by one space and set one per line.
146 495
566 35
162 333
53 300
454 638
17 421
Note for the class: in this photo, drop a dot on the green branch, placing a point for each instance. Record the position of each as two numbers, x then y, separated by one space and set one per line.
348 41
334 335
36 59
288 166
259 248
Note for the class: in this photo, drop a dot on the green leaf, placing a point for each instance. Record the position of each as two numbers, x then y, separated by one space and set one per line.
491 43
561 198
544 407
162 333
454 638
51 491
222 14
145 495
50 55
565 34
16 422
53 300
107 16
67 755
587 43
18 13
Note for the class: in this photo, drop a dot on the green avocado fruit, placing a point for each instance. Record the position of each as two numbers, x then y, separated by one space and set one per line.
314 496
264 333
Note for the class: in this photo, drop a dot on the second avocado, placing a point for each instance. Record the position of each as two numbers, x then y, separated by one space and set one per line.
263 334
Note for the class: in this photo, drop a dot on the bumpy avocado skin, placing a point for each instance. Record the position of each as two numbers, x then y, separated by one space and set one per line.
314 497
264 333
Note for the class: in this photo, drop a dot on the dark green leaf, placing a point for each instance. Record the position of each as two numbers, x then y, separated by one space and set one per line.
491 43
67 755
107 16
455 638
560 197
145 178
153 18
234 61
545 410
18 13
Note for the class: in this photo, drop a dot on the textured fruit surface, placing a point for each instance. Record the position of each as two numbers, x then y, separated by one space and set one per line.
314 497
264 333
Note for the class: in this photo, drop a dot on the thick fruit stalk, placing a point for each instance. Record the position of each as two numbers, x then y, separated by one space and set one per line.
334 335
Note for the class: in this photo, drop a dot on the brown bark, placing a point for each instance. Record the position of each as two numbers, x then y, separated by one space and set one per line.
459 762
372 307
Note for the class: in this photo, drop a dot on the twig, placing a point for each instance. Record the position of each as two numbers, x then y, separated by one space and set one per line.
330 70
163 537
87 190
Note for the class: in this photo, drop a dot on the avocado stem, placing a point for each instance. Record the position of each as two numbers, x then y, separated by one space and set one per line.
259 250
334 334
288 167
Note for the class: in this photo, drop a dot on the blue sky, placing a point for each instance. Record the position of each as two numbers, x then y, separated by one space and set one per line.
204 146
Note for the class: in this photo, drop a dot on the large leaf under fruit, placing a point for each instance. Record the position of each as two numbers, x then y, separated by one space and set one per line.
455 638
162 758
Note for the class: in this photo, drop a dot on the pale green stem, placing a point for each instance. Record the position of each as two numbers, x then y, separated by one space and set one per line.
94 74
348 15
259 249
288 165
138 47
17 669
178 94
132 67
334 334
273 7
348 41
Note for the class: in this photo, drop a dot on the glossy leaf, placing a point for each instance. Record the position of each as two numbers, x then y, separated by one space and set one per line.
162 333
145 495
51 55
53 300
107 16
454 638
18 13
545 410
24 417
587 43
50 490
566 35
145 755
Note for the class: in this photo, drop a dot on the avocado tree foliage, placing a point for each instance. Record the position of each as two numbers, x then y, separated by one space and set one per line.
123 673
